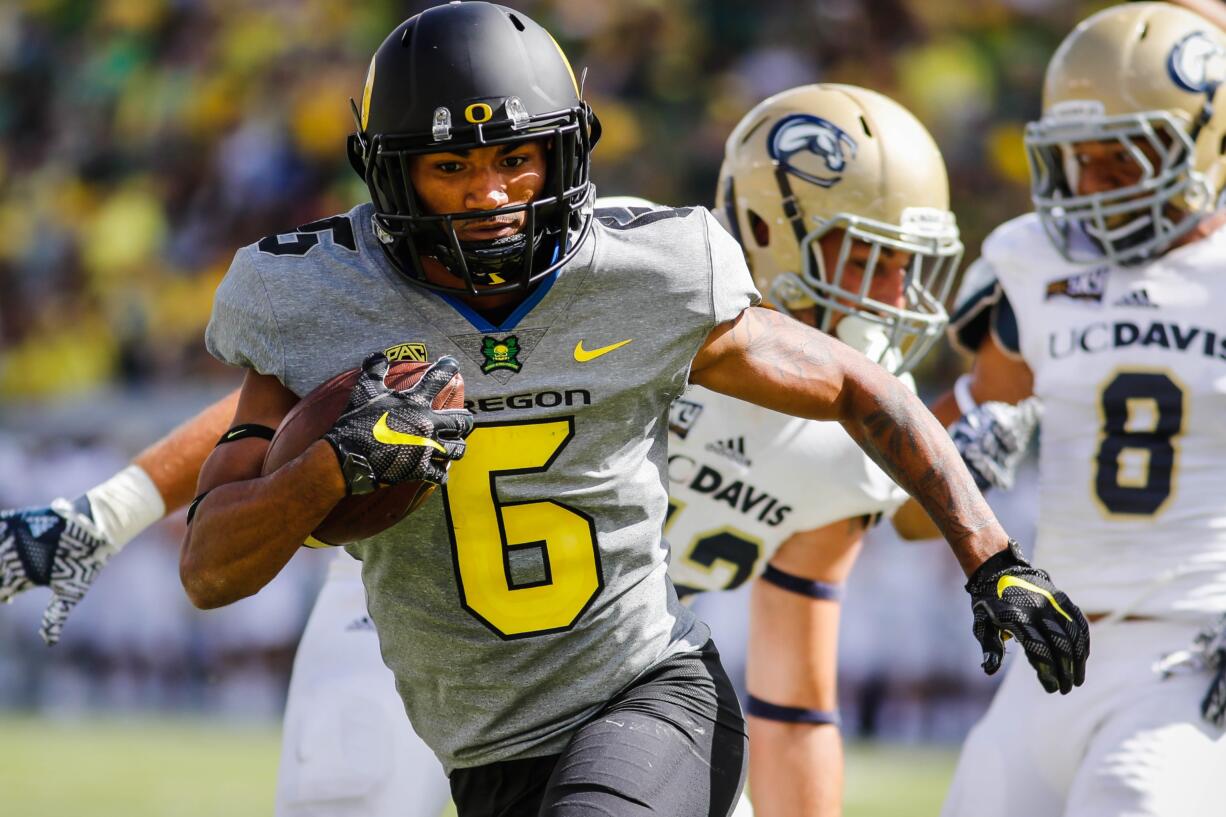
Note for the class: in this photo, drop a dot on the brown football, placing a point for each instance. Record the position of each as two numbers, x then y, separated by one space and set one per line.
355 517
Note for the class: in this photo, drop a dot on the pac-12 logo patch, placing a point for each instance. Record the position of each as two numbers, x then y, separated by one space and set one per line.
800 136
682 415
1084 286
406 351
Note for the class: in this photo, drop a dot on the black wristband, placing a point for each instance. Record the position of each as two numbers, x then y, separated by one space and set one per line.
245 430
191 509
998 562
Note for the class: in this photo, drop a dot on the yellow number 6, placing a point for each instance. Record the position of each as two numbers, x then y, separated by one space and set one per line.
484 532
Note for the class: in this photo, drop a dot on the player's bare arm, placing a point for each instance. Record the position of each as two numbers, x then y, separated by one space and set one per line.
793 654
173 463
64 545
246 528
777 362
995 376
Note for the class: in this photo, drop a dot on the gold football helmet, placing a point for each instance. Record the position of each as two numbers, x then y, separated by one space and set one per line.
1144 78
820 158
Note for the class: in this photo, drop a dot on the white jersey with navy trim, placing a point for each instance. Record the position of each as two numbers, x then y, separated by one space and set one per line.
1130 363
742 479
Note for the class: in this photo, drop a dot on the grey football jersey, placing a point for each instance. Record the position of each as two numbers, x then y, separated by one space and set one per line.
533 587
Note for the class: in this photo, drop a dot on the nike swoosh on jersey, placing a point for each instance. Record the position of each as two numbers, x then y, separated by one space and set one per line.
389 436
1006 582
583 355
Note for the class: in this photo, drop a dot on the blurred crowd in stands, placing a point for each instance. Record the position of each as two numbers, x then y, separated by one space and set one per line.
143 141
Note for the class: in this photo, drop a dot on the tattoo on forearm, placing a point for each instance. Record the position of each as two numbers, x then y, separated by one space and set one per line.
910 446
772 340
793 368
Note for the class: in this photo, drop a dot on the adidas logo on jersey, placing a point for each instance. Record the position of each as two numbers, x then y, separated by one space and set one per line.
1084 286
1138 297
733 448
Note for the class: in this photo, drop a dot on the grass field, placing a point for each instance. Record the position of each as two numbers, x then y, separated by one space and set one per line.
186 768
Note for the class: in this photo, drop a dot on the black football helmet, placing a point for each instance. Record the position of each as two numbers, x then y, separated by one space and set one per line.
461 76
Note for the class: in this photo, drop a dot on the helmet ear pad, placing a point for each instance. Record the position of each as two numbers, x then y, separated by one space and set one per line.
357 160
594 128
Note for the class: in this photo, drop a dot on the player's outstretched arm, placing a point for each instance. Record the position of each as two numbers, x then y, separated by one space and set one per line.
991 437
64 545
243 528
776 362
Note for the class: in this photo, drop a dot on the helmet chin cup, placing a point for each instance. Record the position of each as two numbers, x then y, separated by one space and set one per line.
869 338
1198 196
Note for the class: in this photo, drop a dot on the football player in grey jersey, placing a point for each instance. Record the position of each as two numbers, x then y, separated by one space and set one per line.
548 651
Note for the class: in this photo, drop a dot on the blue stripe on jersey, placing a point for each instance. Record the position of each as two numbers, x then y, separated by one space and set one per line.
482 325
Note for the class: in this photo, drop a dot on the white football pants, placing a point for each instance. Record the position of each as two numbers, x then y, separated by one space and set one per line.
347 749
1127 743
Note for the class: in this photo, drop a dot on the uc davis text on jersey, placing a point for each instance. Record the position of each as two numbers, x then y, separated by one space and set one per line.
738 494
1102 336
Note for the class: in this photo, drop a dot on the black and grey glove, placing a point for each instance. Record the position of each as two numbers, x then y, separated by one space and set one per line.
1011 598
57 546
1212 640
386 436
992 440
1213 706
1206 653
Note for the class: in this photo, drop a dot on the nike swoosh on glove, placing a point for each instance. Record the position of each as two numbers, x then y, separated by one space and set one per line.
1011 598
57 546
400 433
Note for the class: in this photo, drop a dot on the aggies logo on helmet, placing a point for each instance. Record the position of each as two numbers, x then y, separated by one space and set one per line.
800 134
1197 64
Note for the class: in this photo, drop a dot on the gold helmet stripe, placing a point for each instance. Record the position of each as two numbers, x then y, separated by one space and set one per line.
565 62
370 86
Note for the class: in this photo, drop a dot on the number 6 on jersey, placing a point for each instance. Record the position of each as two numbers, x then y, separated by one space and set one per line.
485 532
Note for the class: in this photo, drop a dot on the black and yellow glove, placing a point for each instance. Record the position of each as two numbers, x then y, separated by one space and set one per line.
1011 598
385 436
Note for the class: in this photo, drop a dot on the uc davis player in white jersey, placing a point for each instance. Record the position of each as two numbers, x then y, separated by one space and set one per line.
840 200
322 772
1107 304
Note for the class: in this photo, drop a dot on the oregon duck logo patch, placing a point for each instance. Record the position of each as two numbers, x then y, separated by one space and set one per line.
500 354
